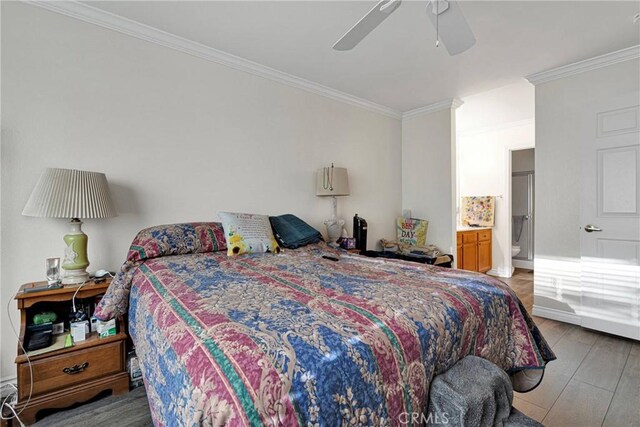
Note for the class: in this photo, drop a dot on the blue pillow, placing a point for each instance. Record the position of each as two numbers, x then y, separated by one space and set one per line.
292 232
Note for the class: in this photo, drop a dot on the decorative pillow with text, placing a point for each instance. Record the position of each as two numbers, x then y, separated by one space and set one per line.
248 233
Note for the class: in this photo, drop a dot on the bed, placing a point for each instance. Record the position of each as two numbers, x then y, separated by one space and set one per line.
296 339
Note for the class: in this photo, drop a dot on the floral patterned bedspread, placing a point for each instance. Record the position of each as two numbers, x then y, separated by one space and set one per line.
295 339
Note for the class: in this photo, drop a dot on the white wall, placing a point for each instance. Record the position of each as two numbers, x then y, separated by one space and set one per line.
428 174
566 111
179 139
489 125
496 108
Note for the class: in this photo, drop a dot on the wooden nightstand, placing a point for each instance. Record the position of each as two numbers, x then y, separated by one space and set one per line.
70 375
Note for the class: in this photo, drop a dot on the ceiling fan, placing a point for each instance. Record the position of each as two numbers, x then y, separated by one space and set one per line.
445 15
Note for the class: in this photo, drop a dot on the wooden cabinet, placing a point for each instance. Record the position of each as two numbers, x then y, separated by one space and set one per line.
484 256
469 257
474 250
66 376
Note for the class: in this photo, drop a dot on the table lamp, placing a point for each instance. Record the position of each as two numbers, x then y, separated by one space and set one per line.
332 181
74 194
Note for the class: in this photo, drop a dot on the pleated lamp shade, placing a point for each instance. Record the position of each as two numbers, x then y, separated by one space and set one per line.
68 193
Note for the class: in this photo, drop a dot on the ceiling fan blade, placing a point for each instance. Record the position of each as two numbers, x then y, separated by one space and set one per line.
364 26
454 31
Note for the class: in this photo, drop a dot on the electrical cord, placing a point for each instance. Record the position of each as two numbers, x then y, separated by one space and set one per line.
16 415
73 299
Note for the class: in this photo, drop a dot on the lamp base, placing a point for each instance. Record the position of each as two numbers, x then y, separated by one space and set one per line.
75 277
75 261
334 229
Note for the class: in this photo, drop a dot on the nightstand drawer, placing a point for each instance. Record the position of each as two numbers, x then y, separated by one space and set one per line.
72 368
484 235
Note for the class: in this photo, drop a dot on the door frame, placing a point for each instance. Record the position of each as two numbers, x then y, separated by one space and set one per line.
506 197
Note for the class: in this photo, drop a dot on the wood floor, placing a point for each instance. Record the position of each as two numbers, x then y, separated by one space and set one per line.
594 382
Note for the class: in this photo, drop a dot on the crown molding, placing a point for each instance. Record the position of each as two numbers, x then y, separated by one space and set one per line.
432 108
605 60
102 18
495 128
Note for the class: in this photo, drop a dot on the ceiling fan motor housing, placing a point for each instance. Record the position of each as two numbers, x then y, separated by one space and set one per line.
438 6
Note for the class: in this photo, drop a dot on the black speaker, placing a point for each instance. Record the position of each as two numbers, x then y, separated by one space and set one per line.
360 232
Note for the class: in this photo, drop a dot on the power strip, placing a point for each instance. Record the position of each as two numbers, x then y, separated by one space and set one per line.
8 399
8 389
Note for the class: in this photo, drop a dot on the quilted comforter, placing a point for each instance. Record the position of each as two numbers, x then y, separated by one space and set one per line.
295 339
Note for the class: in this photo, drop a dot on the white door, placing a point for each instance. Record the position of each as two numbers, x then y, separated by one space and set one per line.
610 223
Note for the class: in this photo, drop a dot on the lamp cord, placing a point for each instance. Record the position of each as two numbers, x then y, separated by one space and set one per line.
73 299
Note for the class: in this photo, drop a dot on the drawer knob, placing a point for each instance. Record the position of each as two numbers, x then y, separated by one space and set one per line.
76 369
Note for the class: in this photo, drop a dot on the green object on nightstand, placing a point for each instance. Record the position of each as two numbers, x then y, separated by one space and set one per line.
46 317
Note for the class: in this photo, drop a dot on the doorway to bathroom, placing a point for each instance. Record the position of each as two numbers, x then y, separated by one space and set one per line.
522 207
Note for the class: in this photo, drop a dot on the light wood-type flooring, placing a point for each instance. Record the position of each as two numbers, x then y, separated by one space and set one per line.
594 382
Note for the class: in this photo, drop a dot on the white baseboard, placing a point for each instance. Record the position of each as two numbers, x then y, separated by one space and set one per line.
623 329
555 314
521 263
500 272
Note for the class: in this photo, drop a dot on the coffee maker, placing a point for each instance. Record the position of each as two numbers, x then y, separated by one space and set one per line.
360 232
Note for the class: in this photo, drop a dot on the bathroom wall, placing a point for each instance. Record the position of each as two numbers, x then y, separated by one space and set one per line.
523 160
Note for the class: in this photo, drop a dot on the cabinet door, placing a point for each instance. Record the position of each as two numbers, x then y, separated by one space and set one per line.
484 256
470 257
459 259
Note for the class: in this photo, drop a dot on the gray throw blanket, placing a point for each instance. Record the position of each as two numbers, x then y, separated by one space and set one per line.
474 393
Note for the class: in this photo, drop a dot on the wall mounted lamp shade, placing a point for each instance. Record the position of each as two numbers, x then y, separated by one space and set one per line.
74 194
332 181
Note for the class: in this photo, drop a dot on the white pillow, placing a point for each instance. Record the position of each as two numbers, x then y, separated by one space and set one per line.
247 233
